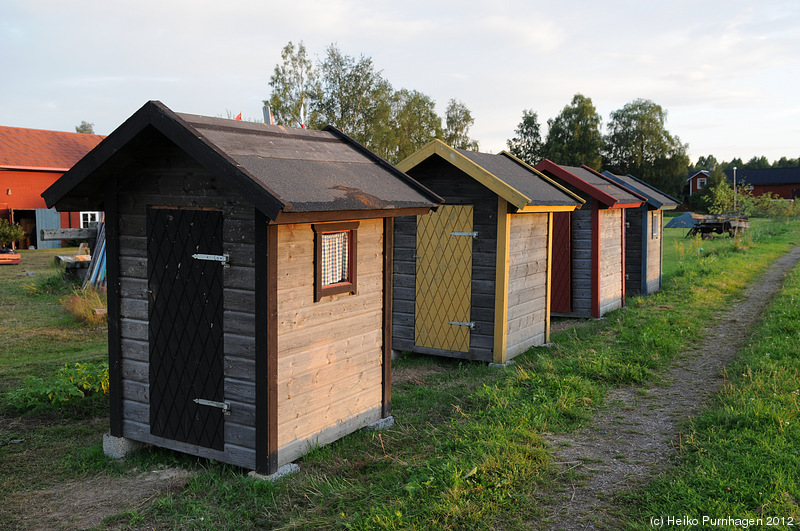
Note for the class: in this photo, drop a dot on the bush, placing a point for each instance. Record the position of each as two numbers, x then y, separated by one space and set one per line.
10 232
72 382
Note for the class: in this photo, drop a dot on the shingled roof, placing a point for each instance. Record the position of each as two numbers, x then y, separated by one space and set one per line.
507 176
278 169
39 149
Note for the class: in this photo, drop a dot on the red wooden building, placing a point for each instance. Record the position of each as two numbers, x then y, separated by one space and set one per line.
30 161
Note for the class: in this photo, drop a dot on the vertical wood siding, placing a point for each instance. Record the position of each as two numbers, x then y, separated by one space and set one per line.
186 184
527 282
457 189
329 352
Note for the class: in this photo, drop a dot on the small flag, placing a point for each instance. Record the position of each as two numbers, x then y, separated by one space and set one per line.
268 118
238 117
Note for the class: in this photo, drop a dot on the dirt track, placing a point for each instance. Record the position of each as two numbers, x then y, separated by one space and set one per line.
632 440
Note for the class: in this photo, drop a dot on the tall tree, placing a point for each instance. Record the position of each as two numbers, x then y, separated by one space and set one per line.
639 143
574 137
295 87
354 97
85 127
527 144
458 119
414 124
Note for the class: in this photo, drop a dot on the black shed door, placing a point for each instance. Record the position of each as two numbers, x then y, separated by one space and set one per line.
185 330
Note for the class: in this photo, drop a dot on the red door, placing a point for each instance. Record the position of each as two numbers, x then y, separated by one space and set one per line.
561 289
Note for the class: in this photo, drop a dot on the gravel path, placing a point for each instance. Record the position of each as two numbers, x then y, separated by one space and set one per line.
632 440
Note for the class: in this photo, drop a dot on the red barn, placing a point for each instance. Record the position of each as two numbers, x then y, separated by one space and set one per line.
30 161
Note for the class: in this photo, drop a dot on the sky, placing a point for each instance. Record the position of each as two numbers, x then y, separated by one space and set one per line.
726 72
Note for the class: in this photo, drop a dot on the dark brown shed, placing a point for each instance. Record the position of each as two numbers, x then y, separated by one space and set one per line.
249 275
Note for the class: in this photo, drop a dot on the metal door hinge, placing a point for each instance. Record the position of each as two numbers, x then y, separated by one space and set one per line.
223 258
224 406
470 324
473 234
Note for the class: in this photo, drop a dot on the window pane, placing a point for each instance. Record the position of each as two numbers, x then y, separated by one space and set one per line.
335 255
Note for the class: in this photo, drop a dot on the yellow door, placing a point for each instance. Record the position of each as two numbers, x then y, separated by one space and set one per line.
444 278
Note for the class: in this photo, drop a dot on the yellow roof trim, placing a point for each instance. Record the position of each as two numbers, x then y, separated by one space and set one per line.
486 178
548 208
545 177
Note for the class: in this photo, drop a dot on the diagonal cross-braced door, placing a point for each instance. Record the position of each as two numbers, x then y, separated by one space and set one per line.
185 325
444 278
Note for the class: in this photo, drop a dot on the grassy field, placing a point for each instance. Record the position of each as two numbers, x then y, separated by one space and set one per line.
466 451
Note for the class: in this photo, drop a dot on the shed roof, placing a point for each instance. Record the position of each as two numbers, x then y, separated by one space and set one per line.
278 169
593 184
507 176
765 176
39 149
656 199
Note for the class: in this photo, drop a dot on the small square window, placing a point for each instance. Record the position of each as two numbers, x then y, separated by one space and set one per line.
701 183
334 258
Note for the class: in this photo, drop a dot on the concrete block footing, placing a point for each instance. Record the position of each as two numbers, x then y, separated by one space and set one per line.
509 363
119 447
285 470
382 424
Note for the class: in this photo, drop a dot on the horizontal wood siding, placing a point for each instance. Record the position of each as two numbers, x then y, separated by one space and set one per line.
527 283
186 184
329 352
654 252
457 189
635 221
611 255
582 260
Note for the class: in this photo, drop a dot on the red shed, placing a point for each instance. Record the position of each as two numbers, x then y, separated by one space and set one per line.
589 245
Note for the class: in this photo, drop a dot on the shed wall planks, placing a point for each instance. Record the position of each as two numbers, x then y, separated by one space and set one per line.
329 352
189 187
456 189
527 282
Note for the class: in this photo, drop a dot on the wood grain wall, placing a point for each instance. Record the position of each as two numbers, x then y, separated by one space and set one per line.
459 189
527 283
329 352
186 184
611 256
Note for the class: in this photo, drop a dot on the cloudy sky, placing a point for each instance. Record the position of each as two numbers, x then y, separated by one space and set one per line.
727 72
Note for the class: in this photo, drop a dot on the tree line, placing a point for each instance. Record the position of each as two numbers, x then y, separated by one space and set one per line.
637 142
351 94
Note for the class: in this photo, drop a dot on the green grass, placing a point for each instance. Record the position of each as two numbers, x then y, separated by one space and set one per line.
38 335
741 457
466 452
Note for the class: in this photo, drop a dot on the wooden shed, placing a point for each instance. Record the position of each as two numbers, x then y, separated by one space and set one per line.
644 245
472 280
590 252
249 282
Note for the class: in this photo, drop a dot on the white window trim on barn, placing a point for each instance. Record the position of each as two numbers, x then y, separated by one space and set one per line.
89 217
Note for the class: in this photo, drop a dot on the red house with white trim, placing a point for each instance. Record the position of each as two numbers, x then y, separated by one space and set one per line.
30 161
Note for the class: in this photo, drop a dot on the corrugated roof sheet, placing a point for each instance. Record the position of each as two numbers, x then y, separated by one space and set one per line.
541 191
41 149
654 196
